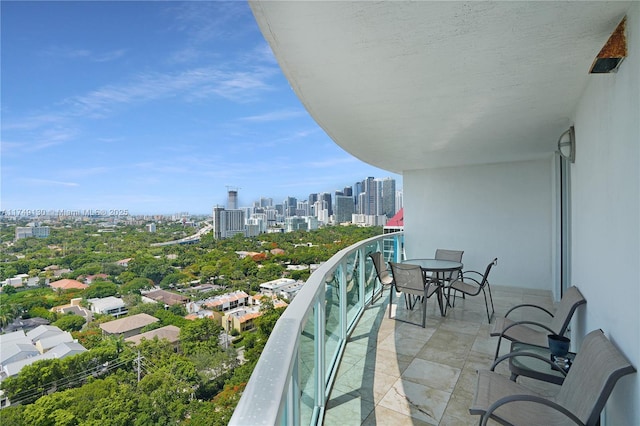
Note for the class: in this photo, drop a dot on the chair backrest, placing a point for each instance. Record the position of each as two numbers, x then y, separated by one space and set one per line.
485 277
570 301
381 268
596 369
408 278
455 255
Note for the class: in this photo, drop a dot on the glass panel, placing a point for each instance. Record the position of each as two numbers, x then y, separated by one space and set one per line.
332 318
306 372
372 285
354 304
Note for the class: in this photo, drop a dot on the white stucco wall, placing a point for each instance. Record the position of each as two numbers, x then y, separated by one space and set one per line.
606 215
497 210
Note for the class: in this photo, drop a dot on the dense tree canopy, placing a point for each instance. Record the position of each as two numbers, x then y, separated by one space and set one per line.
199 382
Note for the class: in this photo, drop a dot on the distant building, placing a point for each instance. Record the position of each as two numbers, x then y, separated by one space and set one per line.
169 332
27 356
344 208
227 301
128 326
67 284
31 231
151 227
166 297
227 223
108 306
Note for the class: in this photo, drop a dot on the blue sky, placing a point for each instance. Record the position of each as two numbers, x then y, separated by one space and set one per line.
153 107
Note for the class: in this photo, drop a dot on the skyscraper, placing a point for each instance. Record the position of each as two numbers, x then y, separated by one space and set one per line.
344 208
388 197
232 202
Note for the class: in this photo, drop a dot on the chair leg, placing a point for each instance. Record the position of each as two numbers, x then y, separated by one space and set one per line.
498 348
424 311
391 299
493 310
486 305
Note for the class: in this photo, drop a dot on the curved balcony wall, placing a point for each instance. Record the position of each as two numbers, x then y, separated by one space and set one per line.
291 382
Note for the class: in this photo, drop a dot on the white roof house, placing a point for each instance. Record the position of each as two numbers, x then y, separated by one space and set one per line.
12 352
46 343
42 332
108 305
60 351
14 337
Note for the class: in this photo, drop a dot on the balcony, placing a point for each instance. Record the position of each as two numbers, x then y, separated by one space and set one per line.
336 358
467 101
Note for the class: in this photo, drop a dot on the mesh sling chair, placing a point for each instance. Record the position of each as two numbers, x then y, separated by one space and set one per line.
382 272
410 280
468 285
535 333
596 368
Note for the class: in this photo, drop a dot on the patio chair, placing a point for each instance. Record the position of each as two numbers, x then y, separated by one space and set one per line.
382 271
456 256
410 280
585 390
468 285
535 333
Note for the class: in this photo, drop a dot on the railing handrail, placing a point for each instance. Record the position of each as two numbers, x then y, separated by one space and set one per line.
262 399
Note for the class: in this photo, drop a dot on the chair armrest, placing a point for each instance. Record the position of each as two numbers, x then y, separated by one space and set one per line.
530 398
529 305
466 281
463 273
526 323
526 354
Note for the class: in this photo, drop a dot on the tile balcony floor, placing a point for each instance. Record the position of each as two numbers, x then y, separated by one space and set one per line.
397 373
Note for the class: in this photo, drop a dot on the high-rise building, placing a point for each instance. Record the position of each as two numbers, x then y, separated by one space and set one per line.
399 200
290 206
372 200
232 202
344 208
326 196
388 197
302 209
227 223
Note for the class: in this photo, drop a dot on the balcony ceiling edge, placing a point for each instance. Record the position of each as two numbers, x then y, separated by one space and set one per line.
414 85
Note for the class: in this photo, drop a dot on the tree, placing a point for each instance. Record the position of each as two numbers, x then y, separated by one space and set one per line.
9 289
135 285
200 335
70 322
101 289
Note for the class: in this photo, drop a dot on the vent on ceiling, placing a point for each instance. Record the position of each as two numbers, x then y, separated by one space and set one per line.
613 52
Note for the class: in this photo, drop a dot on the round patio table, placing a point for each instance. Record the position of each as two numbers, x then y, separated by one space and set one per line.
439 268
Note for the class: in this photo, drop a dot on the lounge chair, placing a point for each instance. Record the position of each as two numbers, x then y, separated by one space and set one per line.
595 370
535 333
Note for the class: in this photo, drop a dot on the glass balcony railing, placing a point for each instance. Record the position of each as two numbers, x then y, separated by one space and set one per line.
290 383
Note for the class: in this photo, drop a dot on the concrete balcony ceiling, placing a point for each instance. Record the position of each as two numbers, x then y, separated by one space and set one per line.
414 85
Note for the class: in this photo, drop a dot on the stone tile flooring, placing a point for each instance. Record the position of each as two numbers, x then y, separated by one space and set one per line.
398 373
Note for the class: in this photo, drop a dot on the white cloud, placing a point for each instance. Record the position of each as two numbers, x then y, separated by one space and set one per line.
275 116
48 182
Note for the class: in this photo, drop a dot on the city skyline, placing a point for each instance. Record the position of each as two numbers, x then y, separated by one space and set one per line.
153 107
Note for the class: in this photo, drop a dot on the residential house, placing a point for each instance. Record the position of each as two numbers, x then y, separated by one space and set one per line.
168 332
166 297
108 306
128 326
67 284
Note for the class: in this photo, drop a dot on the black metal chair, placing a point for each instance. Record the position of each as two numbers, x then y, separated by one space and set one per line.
468 285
